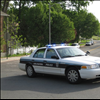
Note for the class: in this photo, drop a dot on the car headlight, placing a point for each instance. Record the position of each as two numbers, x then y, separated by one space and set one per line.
95 66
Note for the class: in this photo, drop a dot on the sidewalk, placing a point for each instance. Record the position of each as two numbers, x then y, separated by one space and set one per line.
10 58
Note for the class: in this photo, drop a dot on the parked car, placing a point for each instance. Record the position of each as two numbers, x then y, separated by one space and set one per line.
76 45
88 43
67 61
92 42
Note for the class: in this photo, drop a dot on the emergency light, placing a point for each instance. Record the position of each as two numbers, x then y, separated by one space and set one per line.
53 45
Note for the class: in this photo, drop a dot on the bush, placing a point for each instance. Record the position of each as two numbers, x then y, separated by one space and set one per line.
96 38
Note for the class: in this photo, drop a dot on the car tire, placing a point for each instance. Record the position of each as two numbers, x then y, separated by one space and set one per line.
73 76
30 71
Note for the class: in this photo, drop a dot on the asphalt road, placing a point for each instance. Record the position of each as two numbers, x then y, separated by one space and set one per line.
94 49
16 85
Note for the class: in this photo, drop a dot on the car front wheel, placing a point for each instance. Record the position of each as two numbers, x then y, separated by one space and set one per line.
73 75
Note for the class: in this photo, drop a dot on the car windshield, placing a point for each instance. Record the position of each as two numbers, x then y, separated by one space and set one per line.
88 42
70 52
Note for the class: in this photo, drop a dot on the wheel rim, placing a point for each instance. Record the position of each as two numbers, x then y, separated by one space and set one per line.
29 71
73 76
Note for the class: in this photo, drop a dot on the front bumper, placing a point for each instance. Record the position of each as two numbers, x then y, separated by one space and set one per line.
89 73
88 44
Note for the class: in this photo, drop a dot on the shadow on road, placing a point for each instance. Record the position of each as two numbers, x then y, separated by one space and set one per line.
46 84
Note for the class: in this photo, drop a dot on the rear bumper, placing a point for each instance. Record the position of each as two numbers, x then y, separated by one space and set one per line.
22 67
89 73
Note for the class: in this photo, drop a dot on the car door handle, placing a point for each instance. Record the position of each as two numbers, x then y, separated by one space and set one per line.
45 61
32 60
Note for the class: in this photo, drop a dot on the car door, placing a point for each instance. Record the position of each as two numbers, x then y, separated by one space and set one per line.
38 60
51 65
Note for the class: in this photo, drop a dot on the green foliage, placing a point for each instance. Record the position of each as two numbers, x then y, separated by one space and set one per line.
62 28
35 25
12 27
99 30
79 4
90 25
85 23
96 37
17 55
34 21
56 7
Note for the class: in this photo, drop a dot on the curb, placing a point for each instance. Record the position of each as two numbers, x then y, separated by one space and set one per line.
10 59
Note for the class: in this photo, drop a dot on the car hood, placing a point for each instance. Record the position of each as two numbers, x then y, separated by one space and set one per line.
82 60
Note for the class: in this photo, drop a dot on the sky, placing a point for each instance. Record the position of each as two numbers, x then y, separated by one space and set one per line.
95 9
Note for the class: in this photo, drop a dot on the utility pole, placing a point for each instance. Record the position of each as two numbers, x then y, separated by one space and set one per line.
49 24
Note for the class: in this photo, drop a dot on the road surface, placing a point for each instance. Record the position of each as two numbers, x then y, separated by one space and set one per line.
16 85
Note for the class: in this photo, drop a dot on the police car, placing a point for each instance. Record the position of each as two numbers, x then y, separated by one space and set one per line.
67 61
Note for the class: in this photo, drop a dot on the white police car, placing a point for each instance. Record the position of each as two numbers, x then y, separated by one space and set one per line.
67 61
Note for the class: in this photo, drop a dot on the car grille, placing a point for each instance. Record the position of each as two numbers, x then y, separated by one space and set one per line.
97 76
99 65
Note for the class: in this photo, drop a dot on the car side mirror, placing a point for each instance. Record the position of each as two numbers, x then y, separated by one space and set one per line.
87 53
54 57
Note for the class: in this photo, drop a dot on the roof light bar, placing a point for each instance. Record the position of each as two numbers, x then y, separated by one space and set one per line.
49 45
62 44
53 45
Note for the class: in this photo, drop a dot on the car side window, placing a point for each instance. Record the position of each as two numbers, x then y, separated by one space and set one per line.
50 53
39 53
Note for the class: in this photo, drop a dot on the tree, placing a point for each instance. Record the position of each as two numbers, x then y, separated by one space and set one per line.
62 28
99 30
4 5
2 40
90 26
36 25
79 23
85 23
14 41
78 4
75 14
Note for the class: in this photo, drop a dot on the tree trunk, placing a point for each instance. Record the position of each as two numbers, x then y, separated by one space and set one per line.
5 5
19 14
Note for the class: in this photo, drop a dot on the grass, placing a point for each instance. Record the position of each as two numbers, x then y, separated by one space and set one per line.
82 44
84 41
96 37
17 55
